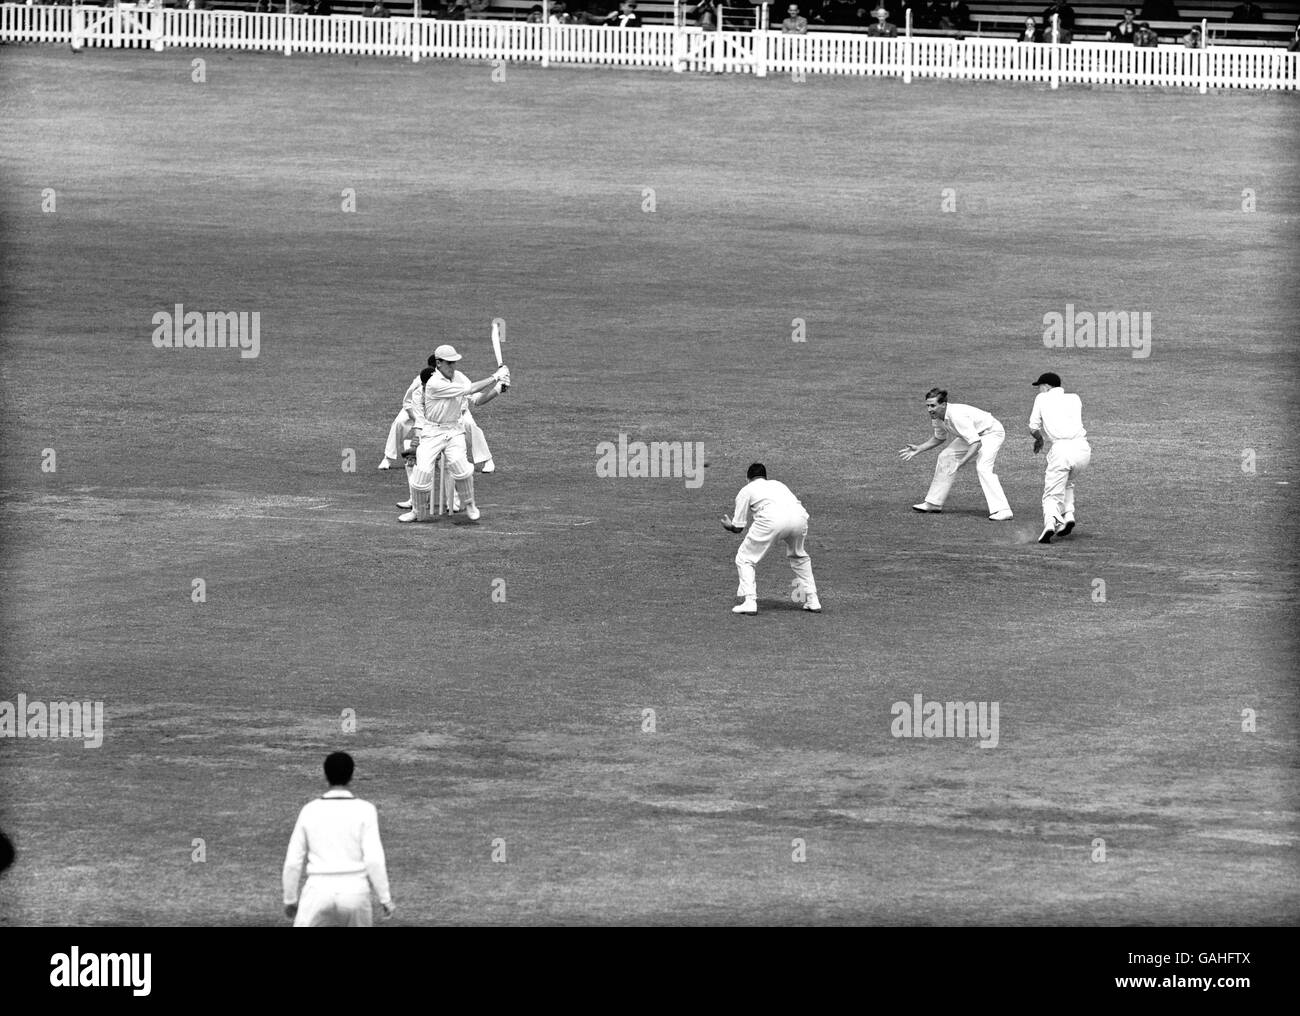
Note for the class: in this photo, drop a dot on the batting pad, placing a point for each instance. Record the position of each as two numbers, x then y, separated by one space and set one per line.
422 479
420 504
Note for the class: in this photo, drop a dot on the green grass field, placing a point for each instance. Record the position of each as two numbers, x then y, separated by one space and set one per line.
522 720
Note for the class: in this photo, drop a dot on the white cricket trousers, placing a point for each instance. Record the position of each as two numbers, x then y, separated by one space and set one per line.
945 470
1065 461
335 901
791 530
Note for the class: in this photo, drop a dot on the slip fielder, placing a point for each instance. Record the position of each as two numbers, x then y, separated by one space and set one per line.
974 433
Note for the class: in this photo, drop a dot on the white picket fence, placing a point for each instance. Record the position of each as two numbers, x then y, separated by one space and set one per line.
685 49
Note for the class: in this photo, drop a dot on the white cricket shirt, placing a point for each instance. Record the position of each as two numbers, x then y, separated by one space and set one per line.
413 389
966 422
337 834
1058 416
767 499
442 403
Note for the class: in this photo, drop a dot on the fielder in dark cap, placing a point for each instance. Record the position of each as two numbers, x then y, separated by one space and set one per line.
1059 418
776 515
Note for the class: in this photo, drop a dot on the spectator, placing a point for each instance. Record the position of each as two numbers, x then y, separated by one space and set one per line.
953 16
1160 10
560 13
836 12
1030 32
454 10
793 23
1192 40
1143 36
859 16
476 8
822 13
263 7
1123 30
705 14
898 11
625 17
1295 40
379 11
1250 13
1063 11
320 8
534 15
1061 35
883 26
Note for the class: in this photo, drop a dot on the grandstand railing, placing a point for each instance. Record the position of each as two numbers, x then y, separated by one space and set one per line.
663 46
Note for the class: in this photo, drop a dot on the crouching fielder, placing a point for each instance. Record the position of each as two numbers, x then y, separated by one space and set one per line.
778 515
439 425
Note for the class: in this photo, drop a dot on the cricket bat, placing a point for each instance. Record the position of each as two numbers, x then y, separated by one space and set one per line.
496 346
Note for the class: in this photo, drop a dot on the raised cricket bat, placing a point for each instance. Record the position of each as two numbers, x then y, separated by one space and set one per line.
496 347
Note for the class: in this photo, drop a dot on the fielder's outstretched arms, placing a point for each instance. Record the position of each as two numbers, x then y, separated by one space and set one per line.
778 515
975 434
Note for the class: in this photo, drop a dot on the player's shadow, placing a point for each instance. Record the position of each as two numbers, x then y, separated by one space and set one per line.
779 604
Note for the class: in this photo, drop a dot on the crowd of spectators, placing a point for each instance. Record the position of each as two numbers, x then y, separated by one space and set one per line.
880 18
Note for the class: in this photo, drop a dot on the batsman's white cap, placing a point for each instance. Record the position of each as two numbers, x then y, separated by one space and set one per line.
446 353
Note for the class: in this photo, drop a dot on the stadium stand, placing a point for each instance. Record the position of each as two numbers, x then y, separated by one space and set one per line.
1002 19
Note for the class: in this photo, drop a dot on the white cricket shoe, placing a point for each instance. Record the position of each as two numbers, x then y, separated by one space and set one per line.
408 517
1003 516
1069 525
813 604
749 606
926 506
471 511
385 464
489 466
1055 529
405 504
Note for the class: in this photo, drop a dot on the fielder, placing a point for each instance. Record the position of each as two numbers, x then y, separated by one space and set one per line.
336 838
778 515
974 433
1059 417
439 409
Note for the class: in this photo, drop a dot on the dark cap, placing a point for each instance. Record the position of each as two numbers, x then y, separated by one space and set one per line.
1048 379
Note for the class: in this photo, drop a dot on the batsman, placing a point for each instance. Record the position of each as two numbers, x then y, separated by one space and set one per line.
438 425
